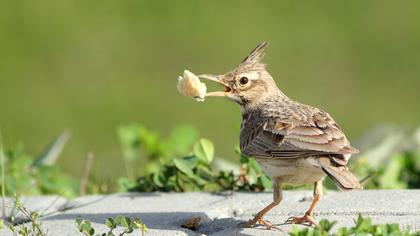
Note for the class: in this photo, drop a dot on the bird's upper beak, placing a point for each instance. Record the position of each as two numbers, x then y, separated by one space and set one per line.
219 80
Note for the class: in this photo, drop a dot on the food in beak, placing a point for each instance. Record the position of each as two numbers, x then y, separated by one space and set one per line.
216 79
190 85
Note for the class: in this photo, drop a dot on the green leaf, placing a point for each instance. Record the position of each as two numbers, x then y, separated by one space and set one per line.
186 164
362 224
152 167
392 228
180 140
12 228
185 183
79 223
252 176
344 231
129 230
23 230
123 221
126 222
110 223
266 182
205 173
91 231
391 177
254 166
128 135
326 225
156 177
125 184
212 187
200 181
242 158
204 150
150 141
138 224
87 227
118 219
34 215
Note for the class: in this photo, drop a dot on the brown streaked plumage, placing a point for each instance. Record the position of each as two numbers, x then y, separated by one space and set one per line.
293 142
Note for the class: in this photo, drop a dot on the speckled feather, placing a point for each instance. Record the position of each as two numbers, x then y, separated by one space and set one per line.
282 128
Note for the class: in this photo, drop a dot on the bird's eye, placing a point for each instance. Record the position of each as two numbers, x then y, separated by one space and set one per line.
243 80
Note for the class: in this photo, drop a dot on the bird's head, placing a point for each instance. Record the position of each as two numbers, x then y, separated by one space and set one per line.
249 83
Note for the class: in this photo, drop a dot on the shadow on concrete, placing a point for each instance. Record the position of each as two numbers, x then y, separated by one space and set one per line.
162 220
139 194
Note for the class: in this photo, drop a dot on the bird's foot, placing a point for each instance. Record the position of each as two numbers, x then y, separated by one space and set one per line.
306 219
253 222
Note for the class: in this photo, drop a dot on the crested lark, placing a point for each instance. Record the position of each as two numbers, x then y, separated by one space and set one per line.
293 142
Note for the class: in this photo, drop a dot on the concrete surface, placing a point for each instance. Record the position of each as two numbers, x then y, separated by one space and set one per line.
225 213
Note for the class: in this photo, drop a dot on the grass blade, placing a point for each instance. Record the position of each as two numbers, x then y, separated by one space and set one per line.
51 153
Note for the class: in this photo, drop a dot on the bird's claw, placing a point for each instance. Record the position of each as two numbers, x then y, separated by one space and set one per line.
268 226
306 219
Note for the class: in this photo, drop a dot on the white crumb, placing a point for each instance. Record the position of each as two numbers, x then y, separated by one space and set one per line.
190 85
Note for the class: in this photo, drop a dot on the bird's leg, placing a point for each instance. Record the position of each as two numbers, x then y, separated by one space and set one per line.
277 196
307 218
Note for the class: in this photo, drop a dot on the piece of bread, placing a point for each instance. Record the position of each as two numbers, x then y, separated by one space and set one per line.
190 85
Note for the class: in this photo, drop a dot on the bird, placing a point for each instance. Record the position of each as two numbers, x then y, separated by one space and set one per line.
293 142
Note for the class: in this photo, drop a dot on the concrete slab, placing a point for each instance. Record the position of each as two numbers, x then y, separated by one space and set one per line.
224 214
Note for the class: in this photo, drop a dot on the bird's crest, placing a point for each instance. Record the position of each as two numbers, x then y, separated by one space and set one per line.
252 61
256 55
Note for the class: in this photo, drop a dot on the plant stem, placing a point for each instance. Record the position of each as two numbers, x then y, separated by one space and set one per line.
85 177
35 225
3 189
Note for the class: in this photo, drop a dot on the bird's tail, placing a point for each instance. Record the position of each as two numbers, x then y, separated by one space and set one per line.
341 175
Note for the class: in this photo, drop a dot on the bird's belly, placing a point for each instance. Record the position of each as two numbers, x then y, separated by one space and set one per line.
293 171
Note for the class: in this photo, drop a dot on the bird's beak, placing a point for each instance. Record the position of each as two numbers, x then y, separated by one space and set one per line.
217 79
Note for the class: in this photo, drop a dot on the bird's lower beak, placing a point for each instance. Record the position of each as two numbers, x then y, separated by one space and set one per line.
217 79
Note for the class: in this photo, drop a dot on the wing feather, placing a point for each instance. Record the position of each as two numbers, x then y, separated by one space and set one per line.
281 138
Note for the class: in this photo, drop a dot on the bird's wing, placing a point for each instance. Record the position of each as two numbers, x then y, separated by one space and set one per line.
286 138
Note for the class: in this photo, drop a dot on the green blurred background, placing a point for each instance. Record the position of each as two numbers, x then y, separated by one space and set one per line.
90 66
